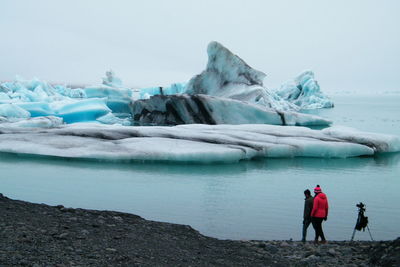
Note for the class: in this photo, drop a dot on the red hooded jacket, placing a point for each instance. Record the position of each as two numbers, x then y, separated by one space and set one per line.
320 207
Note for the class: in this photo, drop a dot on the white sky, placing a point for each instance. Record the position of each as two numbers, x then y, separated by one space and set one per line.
350 44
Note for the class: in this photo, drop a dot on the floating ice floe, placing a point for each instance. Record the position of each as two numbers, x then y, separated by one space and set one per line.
192 143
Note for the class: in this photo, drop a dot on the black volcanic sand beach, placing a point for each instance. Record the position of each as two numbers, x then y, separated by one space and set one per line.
42 235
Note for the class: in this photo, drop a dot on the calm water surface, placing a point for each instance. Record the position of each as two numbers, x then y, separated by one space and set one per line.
249 200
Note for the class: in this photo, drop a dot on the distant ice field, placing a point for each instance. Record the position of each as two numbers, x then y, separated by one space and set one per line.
259 199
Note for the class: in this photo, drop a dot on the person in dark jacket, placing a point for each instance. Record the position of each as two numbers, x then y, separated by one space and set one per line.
319 213
308 205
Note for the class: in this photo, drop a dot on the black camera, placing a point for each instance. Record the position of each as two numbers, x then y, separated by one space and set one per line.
361 206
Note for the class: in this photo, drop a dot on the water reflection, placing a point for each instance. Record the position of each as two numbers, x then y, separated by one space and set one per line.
381 160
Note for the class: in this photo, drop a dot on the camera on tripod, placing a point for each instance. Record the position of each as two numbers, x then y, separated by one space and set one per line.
362 221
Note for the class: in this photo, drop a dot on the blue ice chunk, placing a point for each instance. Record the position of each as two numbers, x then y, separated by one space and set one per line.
119 105
37 108
117 99
13 111
83 110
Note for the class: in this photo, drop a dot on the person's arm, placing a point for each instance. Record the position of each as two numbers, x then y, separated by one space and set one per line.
307 210
326 208
314 209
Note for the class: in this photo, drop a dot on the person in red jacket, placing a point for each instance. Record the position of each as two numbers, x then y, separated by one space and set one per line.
319 213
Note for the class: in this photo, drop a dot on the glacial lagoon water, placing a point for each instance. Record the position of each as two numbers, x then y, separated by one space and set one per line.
260 199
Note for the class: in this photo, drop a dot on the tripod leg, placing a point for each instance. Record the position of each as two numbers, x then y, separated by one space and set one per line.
352 236
370 233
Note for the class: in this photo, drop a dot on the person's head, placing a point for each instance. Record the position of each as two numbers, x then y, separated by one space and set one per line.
307 193
317 189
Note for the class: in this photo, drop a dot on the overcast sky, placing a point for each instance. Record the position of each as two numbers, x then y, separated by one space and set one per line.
350 45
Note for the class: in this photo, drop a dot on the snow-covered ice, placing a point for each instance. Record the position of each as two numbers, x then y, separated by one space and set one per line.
192 143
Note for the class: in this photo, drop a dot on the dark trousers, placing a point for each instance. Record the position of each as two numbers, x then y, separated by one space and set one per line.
317 224
306 223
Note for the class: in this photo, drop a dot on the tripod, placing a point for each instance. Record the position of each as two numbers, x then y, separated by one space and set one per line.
362 221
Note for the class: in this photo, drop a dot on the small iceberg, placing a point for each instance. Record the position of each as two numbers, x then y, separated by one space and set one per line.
304 92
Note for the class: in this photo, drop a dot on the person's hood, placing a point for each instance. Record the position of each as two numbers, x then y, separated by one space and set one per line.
321 195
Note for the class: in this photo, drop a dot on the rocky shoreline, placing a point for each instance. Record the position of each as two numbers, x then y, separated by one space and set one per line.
42 235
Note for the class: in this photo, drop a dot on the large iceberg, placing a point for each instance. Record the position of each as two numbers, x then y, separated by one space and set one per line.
304 92
192 143
228 91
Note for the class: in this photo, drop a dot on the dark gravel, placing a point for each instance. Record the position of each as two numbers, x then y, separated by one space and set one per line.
42 235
